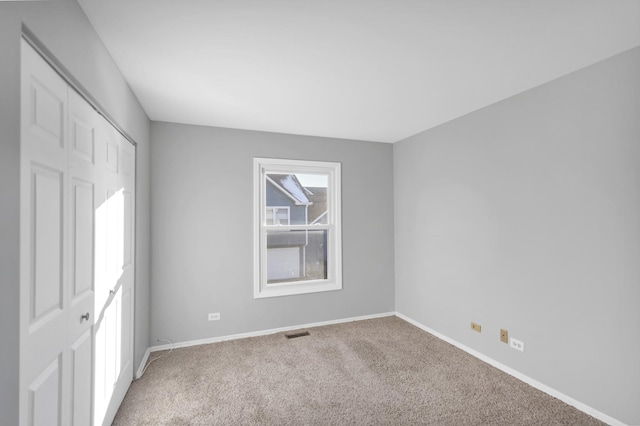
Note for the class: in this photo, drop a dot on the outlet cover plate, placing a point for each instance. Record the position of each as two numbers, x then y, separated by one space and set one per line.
214 316
504 336
516 344
476 327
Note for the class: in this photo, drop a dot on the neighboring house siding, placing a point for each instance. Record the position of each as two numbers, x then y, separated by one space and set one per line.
319 206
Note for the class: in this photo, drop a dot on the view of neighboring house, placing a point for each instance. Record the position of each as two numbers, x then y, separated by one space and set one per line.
318 210
295 255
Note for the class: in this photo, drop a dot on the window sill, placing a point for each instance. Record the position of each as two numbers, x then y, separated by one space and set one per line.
291 289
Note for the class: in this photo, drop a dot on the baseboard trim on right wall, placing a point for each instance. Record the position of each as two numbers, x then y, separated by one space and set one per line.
536 384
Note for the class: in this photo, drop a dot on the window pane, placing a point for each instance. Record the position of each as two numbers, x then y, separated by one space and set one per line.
269 216
304 194
317 211
277 216
283 264
296 255
282 216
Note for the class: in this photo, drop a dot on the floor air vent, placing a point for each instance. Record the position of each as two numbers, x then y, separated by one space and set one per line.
294 335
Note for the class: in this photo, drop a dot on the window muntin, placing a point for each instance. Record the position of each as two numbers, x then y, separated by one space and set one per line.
302 253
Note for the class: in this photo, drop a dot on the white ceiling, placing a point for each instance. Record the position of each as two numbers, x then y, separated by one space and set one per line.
378 70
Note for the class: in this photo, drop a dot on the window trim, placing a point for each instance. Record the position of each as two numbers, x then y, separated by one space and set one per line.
262 166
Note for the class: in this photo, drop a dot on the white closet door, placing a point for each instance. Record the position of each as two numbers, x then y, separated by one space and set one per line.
44 294
85 185
76 250
114 294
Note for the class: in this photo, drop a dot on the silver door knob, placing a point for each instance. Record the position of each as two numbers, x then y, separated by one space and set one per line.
85 317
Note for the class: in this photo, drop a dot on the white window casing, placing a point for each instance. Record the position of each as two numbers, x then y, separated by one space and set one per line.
329 233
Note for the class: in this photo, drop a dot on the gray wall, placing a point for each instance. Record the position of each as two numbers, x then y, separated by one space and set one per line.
525 215
202 227
63 28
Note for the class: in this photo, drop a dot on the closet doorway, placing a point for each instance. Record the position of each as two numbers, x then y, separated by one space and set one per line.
77 195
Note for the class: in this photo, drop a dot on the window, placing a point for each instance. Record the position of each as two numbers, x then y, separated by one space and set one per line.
297 234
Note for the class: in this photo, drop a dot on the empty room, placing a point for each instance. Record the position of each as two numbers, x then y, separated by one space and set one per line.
290 212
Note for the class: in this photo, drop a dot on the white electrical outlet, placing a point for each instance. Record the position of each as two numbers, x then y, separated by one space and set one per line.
516 344
214 316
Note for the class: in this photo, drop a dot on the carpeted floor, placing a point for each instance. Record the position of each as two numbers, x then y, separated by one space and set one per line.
375 372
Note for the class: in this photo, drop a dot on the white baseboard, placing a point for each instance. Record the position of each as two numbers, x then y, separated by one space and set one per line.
143 363
264 332
536 384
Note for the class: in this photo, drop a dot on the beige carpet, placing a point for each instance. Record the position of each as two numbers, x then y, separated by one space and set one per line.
374 372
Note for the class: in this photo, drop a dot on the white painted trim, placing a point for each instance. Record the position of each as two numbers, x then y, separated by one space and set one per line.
265 332
536 384
143 363
262 166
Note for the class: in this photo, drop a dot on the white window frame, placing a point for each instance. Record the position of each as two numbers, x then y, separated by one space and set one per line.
263 166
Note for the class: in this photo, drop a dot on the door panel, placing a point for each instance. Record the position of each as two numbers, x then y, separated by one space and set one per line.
116 312
45 395
114 235
47 231
81 362
47 108
82 138
100 380
107 360
126 337
127 231
112 156
82 198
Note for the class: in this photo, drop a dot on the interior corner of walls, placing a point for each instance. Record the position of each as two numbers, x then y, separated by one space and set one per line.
143 364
